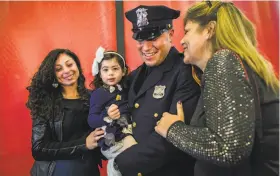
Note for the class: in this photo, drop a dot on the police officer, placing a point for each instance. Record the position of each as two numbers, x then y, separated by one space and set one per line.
155 87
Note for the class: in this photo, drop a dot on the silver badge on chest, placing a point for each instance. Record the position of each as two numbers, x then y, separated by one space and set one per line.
142 19
159 92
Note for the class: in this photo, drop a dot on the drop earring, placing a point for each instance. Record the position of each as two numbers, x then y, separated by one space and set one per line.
55 84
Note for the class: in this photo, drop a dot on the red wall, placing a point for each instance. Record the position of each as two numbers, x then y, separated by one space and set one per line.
29 30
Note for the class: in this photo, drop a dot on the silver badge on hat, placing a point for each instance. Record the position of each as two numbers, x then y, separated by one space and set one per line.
159 92
142 19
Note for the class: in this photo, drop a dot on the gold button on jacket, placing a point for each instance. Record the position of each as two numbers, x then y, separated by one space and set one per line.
134 124
136 105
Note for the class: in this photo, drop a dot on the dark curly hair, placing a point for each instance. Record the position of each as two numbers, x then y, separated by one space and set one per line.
44 100
97 82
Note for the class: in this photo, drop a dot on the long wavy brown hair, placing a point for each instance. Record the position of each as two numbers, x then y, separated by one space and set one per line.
44 100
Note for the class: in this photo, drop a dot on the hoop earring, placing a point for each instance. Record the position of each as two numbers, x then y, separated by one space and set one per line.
55 84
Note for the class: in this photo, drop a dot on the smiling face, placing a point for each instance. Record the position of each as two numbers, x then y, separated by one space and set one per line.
154 52
66 71
111 72
193 42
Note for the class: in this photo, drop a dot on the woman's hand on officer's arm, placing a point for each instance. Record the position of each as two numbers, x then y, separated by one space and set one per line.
168 119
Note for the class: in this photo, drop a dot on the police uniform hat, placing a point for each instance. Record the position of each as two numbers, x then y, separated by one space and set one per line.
149 22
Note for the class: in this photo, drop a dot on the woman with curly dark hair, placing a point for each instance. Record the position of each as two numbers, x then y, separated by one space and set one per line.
62 143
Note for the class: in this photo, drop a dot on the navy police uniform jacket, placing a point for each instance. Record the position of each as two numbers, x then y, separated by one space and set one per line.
161 90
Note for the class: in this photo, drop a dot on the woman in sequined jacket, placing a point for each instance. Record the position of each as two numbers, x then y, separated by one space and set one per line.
234 130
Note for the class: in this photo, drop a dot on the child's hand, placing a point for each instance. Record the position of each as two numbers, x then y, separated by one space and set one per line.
113 112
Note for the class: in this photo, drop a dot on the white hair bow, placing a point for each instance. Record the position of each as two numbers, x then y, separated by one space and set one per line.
98 58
